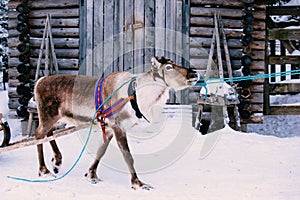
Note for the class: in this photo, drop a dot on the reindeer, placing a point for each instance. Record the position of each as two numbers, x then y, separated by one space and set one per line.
72 97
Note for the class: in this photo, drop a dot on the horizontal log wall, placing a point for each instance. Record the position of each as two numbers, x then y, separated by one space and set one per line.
232 13
65 30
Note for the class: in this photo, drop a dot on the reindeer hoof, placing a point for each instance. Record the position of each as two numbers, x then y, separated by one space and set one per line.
92 178
56 167
139 184
44 172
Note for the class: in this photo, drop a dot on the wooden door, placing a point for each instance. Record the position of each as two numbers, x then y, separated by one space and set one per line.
123 35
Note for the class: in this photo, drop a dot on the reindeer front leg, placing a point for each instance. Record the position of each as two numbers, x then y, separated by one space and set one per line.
123 145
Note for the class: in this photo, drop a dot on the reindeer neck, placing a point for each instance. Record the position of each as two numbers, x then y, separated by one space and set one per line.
150 92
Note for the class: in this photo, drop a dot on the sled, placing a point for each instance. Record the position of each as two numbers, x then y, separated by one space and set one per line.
4 132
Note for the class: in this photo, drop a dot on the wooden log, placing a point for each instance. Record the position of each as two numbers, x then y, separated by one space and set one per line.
12 93
256 108
208 21
32 141
225 12
257 98
256 88
60 53
55 22
59 43
199 52
208 32
40 4
13 82
63 63
253 120
55 13
284 34
232 4
57 32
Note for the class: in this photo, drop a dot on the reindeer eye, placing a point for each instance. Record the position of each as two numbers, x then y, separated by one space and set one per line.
169 67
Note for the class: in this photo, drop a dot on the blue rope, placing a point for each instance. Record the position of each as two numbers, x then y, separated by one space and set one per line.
242 78
83 148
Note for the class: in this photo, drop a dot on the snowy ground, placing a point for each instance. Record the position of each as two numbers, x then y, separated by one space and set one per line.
176 160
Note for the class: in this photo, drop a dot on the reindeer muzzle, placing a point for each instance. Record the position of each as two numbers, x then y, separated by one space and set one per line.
192 75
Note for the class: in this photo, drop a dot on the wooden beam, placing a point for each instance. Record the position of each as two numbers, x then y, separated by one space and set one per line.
284 88
284 110
284 34
284 60
283 10
33 141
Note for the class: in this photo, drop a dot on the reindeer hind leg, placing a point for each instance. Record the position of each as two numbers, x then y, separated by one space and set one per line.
43 129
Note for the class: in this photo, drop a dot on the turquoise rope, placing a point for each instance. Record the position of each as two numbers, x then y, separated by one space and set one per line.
83 148
214 80
242 78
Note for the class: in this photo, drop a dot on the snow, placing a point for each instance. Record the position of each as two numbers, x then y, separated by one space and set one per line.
171 156
293 3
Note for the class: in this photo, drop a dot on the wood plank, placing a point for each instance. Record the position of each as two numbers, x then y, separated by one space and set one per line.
32 141
128 37
98 38
170 29
185 35
149 33
118 35
89 38
160 25
108 54
82 38
179 42
283 60
284 88
283 10
284 34
284 110
138 29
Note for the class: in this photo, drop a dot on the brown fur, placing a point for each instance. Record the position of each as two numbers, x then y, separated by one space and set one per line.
72 97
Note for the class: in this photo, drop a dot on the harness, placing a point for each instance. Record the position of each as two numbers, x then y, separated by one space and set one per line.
115 107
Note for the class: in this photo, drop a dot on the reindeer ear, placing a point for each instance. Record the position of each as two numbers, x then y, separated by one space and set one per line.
155 64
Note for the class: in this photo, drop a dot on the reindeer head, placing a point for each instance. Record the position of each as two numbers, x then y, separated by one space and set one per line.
174 76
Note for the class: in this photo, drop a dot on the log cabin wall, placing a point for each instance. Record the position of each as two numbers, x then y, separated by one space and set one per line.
65 30
236 16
